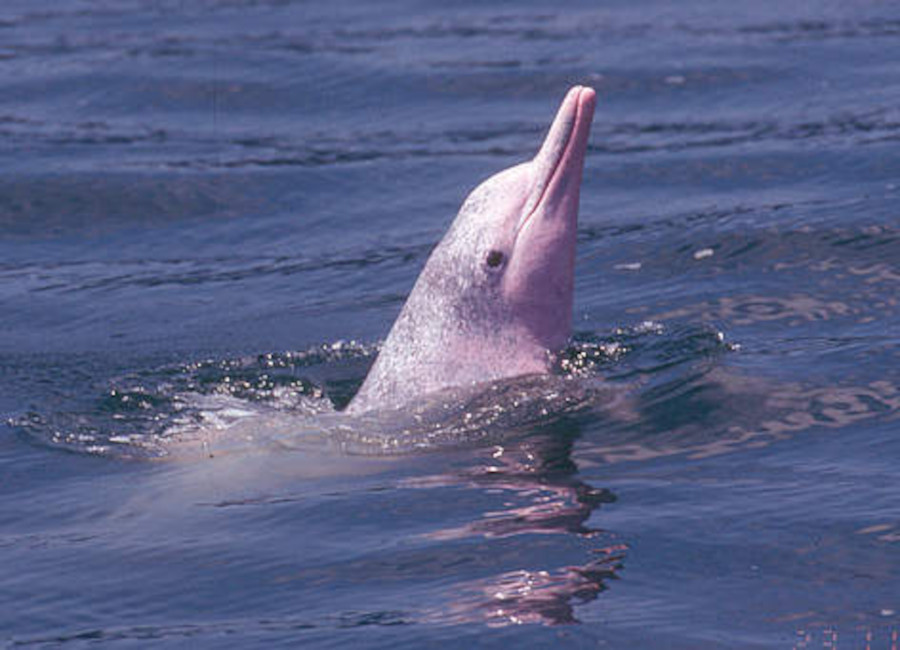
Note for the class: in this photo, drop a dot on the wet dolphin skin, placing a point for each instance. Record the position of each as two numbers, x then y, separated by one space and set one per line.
495 297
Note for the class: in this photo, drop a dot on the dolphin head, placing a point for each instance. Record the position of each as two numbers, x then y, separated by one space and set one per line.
514 237
495 297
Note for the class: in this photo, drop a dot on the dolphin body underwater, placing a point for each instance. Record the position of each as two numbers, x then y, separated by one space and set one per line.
494 300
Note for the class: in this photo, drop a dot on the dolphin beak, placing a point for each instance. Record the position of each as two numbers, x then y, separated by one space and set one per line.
557 167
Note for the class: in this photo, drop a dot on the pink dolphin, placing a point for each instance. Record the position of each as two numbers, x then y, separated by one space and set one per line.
495 297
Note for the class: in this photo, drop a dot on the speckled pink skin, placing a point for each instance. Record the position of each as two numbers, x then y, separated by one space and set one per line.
470 318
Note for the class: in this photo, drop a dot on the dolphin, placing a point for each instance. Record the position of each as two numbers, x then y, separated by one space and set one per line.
494 300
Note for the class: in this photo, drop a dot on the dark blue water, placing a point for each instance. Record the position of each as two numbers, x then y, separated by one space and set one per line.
215 208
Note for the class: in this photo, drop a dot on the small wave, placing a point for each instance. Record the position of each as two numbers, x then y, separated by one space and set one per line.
838 274
718 411
141 412
512 139
75 277
285 400
235 629
660 390
861 128
800 30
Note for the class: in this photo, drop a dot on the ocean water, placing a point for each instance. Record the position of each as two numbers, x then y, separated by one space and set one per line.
211 212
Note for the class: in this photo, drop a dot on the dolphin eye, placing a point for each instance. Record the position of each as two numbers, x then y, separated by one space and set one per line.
494 259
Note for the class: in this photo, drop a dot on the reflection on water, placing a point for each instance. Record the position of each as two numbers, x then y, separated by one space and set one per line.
541 494
542 474
544 597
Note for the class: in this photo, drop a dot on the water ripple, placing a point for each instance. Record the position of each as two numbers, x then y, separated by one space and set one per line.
510 139
75 277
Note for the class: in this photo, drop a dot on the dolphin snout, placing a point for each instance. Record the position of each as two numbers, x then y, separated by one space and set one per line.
557 167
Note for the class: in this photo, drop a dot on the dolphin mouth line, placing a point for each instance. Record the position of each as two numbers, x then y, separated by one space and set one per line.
572 125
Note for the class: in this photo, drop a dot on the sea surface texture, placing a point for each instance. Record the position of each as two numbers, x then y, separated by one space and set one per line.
212 211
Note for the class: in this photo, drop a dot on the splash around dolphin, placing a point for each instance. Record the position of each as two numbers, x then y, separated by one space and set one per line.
495 297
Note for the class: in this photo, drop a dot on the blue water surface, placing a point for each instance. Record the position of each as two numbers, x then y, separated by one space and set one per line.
215 208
